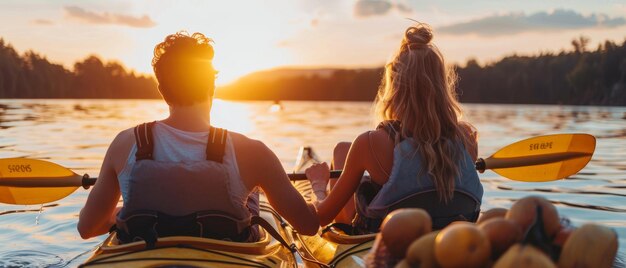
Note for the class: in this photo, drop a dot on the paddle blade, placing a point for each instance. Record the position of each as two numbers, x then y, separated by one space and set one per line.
29 181
543 158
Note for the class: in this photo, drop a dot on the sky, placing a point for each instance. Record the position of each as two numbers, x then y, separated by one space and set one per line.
251 35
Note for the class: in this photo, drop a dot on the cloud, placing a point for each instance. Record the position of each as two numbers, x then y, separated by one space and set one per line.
284 43
513 23
142 22
403 8
42 22
369 8
108 18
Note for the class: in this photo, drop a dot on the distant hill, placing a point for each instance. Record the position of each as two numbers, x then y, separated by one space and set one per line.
579 77
290 72
305 84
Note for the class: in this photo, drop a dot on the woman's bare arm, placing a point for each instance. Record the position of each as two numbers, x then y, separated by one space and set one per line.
347 183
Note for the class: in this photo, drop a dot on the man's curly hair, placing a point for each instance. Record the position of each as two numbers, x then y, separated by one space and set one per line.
183 65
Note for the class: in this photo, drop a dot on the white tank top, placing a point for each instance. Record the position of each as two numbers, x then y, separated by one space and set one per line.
175 145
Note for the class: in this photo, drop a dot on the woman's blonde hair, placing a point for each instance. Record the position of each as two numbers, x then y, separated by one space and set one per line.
418 90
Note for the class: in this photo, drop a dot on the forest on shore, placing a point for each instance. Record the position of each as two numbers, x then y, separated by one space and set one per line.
32 76
579 77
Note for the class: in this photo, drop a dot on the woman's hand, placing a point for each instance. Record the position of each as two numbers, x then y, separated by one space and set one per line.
318 175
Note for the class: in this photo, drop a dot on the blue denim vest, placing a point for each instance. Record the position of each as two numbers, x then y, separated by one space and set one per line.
405 180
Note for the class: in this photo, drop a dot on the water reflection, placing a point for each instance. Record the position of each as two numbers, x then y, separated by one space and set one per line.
27 258
76 134
233 116
276 107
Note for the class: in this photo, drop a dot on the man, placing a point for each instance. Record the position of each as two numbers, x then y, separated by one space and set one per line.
182 166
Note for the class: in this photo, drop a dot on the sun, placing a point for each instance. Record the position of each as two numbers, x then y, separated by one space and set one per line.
242 43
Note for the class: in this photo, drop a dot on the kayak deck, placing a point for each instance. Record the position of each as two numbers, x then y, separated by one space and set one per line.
197 252
331 247
344 254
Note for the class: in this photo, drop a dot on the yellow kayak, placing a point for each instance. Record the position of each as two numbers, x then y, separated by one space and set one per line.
330 246
199 252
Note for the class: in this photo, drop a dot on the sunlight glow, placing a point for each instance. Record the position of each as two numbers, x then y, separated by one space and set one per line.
235 116
242 44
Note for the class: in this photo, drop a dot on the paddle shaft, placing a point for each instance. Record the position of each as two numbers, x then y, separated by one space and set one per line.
292 176
85 181
68 181
490 163
481 165
301 176
530 160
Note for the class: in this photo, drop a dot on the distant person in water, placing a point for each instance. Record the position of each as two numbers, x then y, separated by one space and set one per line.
181 172
420 146
277 106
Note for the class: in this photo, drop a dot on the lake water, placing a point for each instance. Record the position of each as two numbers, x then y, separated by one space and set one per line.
76 133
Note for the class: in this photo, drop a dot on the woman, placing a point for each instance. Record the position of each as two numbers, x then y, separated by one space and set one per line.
420 146
181 173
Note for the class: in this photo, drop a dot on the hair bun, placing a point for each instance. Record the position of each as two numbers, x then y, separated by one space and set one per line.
419 35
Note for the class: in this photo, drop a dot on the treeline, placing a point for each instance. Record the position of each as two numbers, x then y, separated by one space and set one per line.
33 76
578 77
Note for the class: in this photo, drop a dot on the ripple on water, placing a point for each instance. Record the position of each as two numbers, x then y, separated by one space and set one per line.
29 258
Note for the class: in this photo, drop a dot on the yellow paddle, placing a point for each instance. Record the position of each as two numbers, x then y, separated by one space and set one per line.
26 181
542 158
545 158
537 159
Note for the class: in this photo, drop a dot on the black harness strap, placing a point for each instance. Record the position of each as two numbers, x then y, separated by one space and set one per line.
216 144
138 227
258 220
144 140
215 147
270 229
149 225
